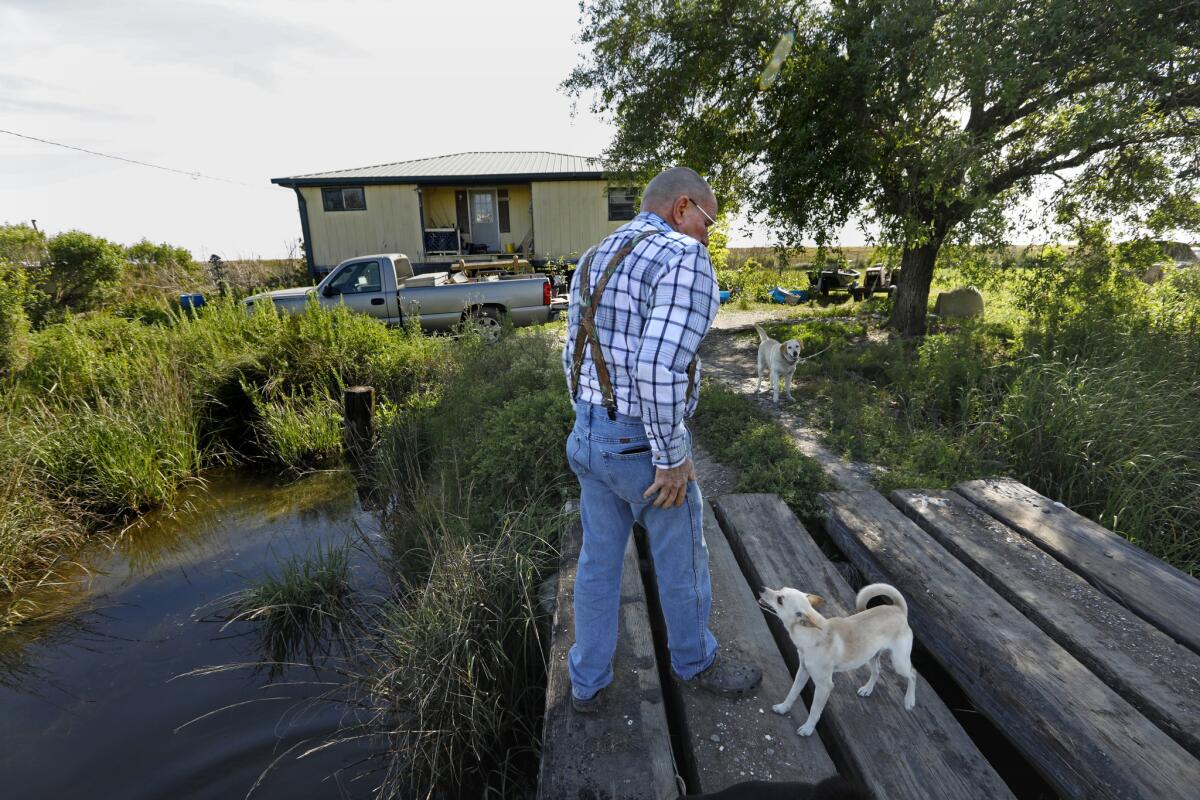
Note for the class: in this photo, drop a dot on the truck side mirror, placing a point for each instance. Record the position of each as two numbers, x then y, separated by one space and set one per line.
329 291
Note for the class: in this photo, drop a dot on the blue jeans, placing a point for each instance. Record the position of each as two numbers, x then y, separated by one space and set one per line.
612 460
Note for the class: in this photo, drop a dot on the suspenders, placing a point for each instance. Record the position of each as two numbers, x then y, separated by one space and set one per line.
587 325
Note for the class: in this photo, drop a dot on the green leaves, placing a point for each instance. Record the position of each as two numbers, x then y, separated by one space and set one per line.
930 118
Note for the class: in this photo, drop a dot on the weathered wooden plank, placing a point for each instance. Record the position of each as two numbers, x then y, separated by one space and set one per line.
937 758
623 750
1079 734
1160 677
725 740
1147 586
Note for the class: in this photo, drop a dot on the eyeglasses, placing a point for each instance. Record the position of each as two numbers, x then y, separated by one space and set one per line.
700 208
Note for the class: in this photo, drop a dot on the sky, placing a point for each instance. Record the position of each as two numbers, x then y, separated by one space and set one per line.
246 92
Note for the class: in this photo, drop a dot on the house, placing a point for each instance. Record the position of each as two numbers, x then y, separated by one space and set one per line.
469 206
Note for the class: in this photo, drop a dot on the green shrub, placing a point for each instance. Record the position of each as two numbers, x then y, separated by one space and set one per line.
520 451
14 322
22 245
82 271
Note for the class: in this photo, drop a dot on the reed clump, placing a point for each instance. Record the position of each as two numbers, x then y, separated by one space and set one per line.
476 480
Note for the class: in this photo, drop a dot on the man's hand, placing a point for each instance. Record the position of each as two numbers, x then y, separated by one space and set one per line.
671 484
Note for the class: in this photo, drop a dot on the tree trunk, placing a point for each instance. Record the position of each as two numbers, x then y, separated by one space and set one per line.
912 295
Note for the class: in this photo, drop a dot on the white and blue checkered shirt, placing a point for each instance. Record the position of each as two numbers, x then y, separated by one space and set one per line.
654 312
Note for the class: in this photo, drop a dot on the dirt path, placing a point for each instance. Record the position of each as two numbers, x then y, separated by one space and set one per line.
730 318
729 358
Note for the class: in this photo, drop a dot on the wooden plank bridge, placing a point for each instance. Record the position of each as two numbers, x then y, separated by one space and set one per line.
1080 650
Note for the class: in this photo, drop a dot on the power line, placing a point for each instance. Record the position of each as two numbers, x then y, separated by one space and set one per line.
194 175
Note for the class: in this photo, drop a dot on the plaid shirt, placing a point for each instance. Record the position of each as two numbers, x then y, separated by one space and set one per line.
653 314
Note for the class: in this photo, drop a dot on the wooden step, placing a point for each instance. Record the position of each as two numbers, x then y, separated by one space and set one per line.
623 750
1160 677
1147 586
901 754
1083 738
727 741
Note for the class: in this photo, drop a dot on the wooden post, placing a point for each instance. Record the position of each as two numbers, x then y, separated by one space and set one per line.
358 409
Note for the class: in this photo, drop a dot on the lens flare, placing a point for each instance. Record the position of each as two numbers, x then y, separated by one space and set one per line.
783 48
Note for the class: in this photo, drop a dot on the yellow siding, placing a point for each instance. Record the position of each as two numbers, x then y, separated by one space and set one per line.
520 218
566 217
439 206
390 224
569 217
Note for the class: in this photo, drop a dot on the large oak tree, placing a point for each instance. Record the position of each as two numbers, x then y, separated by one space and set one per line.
930 117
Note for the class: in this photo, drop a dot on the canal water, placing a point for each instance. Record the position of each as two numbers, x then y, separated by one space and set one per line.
99 701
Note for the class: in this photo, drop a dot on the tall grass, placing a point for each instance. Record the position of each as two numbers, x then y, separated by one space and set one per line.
109 416
302 610
1117 442
476 479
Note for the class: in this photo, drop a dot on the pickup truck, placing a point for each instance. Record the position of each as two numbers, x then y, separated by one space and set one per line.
384 286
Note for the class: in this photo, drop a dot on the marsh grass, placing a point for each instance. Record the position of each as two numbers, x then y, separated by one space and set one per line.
458 665
476 479
302 611
109 416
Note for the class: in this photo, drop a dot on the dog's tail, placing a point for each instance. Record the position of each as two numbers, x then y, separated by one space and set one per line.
867 593
762 335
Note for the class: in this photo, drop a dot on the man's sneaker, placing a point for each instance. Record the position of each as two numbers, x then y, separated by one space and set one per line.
586 706
728 677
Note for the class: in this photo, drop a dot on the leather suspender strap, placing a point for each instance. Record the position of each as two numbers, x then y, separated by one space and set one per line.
587 320
587 325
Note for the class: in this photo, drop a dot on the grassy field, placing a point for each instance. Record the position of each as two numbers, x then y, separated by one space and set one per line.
1081 381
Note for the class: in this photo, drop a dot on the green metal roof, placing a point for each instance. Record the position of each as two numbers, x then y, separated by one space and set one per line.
461 168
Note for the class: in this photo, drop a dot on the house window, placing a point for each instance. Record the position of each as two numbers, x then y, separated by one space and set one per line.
622 204
350 198
505 226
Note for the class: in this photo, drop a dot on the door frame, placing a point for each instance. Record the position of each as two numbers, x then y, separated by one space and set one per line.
491 190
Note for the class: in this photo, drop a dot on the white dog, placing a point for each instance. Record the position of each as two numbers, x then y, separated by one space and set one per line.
826 646
780 359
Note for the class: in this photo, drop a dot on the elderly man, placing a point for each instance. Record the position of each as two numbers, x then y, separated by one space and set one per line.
641 302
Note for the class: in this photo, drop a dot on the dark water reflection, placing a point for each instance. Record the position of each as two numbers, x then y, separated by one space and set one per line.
96 702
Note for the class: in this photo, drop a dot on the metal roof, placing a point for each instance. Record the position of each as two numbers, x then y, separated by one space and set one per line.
461 168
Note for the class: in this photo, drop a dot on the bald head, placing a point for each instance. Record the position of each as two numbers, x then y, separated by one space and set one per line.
669 185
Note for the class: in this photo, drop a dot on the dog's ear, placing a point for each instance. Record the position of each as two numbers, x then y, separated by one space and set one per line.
815 600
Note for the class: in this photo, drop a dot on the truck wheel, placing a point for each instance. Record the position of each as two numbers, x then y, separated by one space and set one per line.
487 324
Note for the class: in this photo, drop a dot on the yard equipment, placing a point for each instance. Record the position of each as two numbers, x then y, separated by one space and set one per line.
876 278
832 279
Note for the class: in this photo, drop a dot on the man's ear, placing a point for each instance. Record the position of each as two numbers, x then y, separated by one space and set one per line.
815 600
678 208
